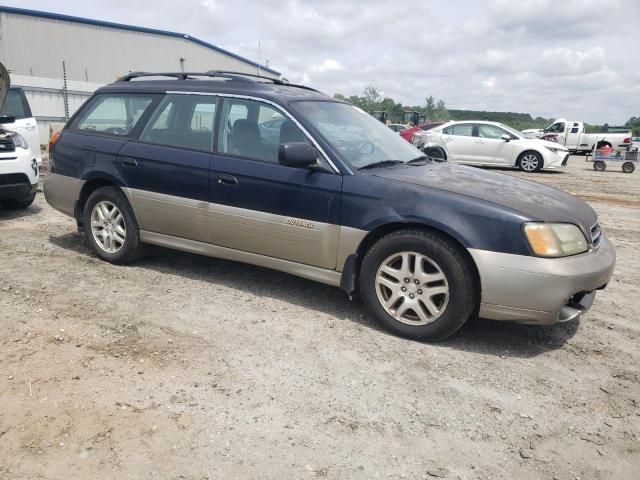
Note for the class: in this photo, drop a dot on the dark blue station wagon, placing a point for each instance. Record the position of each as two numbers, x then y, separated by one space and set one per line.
259 171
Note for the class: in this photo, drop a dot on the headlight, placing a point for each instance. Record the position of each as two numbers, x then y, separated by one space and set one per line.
557 151
555 239
18 140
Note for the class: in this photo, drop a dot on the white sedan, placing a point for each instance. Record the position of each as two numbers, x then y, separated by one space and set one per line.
491 144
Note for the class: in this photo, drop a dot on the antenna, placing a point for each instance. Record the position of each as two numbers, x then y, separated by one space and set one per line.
259 57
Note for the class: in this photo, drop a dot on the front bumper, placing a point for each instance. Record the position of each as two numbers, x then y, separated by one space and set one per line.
538 290
555 161
15 186
19 174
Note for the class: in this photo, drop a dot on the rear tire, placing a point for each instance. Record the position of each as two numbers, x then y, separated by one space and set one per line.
110 226
418 285
530 162
599 166
628 167
19 203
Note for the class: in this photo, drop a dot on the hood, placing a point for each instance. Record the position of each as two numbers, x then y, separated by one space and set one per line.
537 201
546 143
4 85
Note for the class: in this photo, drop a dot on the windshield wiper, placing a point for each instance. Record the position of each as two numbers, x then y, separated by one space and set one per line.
381 163
421 158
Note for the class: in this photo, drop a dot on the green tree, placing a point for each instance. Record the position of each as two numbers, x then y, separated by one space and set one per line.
634 124
372 96
434 109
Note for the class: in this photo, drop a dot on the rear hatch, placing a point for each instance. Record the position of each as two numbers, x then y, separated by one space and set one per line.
6 144
4 85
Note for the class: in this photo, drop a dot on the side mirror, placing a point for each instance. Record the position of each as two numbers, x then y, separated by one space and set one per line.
506 138
296 154
7 119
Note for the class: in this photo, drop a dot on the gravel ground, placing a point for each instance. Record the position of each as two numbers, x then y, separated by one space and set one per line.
188 367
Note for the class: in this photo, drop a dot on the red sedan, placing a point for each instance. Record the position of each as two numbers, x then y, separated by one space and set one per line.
408 133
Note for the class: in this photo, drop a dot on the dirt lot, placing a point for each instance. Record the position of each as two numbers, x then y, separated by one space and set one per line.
188 367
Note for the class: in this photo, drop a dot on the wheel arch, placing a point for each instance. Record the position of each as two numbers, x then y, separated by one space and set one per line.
353 263
435 146
91 184
529 150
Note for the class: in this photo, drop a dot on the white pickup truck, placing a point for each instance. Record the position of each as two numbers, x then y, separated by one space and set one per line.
571 135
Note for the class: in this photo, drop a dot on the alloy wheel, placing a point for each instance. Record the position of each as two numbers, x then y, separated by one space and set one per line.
529 162
412 288
108 227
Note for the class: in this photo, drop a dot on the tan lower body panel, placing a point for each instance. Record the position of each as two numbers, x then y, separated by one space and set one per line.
329 277
323 245
315 243
171 215
62 192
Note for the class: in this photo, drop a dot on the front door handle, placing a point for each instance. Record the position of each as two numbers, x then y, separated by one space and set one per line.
129 162
227 179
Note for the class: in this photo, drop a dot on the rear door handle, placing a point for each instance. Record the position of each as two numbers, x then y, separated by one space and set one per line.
130 162
227 179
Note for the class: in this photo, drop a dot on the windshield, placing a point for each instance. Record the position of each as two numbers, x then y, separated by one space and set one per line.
358 138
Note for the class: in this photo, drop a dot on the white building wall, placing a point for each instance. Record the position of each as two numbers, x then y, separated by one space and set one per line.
33 49
100 54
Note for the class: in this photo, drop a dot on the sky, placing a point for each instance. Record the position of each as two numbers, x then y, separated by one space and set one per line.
569 58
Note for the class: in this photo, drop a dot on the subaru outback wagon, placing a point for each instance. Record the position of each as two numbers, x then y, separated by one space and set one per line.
278 175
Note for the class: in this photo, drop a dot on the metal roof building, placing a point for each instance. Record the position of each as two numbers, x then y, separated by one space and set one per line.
61 58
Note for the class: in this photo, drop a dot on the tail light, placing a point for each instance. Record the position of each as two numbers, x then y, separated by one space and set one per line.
54 139
627 140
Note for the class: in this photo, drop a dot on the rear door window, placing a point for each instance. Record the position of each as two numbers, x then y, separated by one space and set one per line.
113 114
462 130
184 121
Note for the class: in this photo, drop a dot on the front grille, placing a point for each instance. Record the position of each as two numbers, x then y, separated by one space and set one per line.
13 178
565 161
596 235
6 144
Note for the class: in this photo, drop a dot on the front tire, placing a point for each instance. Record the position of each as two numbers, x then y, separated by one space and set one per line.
436 153
530 162
418 285
110 226
19 203
628 167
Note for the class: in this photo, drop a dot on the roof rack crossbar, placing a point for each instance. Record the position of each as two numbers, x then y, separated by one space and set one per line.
176 75
236 76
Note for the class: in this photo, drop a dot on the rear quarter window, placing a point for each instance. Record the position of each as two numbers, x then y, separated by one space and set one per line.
112 114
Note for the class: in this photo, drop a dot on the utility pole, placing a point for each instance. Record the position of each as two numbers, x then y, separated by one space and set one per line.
65 91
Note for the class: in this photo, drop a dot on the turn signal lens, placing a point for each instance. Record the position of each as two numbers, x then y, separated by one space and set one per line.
54 139
555 239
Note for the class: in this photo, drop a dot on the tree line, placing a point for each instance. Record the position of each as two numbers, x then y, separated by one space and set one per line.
371 100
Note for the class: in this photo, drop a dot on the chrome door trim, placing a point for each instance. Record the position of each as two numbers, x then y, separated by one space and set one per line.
328 277
273 104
